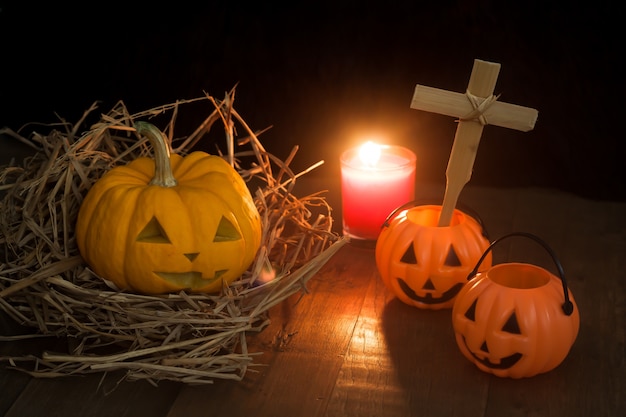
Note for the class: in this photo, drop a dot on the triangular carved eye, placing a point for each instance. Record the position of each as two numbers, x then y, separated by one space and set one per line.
226 231
409 255
470 314
153 232
511 325
452 259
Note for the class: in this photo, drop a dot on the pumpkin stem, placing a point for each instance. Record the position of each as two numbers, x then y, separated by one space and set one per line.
163 175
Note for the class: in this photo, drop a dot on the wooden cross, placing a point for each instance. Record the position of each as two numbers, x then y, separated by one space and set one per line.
475 109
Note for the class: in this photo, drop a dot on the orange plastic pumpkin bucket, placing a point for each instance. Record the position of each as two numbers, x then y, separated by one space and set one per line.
515 319
425 265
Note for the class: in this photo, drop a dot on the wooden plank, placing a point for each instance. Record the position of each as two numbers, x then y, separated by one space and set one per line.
589 237
11 382
371 383
308 342
96 395
403 361
91 396
349 348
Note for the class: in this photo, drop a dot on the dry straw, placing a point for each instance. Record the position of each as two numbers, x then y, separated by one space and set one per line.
190 338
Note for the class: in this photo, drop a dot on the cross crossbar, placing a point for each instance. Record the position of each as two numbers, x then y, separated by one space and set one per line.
450 103
475 109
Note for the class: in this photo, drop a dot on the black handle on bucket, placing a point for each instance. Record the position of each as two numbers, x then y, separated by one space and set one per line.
568 306
391 215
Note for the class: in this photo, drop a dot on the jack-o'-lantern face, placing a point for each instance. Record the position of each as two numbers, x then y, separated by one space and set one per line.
429 293
509 321
425 265
182 240
509 330
196 261
170 224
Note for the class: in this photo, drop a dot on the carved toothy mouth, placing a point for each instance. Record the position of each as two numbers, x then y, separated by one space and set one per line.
505 363
428 297
191 279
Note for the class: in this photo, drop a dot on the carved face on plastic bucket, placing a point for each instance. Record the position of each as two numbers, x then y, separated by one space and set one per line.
425 265
515 320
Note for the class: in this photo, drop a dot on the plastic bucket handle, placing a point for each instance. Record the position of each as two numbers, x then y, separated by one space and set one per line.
568 306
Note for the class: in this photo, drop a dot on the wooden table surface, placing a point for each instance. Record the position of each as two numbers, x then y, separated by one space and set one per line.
350 348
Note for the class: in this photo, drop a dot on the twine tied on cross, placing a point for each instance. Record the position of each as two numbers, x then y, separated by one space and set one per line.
470 109
479 106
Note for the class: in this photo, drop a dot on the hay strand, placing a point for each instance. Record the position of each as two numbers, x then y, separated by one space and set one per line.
191 338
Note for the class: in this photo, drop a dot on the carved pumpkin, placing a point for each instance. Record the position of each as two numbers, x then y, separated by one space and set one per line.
515 320
425 265
169 224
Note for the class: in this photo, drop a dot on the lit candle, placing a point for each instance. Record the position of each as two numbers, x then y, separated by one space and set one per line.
375 180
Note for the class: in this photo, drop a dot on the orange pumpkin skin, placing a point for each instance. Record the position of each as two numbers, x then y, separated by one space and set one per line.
509 321
197 235
424 265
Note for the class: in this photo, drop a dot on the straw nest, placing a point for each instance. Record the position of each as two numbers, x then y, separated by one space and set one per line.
191 338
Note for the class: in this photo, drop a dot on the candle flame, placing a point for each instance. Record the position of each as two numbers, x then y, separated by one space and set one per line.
369 153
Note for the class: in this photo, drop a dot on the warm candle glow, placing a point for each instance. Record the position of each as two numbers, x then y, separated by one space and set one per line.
375 180
369 153
267 274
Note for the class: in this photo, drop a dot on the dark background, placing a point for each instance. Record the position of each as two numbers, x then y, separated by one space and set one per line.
326 75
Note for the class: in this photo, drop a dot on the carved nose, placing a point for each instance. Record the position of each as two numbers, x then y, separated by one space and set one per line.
191 256
428 285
